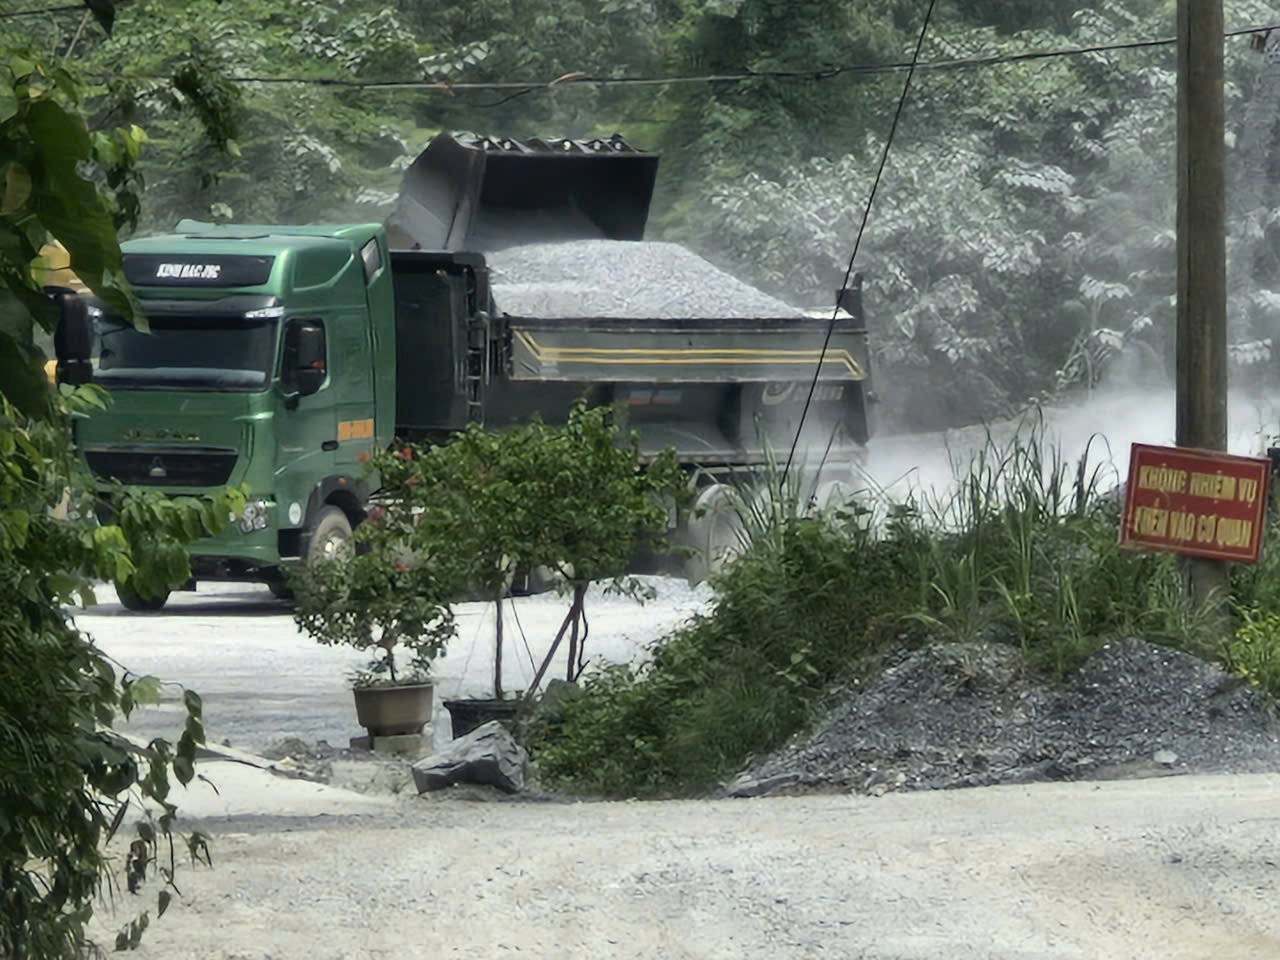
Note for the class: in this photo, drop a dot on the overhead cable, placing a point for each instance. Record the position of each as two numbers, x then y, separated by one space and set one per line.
42 10
809 73
857 242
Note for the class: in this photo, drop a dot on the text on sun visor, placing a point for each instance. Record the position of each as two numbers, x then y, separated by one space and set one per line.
188 271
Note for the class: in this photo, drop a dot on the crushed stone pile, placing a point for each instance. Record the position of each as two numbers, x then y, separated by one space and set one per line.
622 279
956 715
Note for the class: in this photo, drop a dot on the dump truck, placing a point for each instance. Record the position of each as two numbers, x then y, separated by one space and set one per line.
280 356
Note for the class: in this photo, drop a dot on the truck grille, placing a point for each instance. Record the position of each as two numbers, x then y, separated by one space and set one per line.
163 466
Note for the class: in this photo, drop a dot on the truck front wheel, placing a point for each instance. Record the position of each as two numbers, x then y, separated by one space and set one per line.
280 590
330 536
131 599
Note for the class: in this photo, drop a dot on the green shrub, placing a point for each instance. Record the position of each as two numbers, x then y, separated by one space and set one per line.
1025 549
1254 651
1257 587
791 616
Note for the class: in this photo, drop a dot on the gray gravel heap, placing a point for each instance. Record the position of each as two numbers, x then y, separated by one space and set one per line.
955 715
622 279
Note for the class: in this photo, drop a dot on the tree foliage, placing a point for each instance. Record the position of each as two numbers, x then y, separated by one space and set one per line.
1049 182
571 498
1023 236
263 152
66 781
465 515
44 144
574 499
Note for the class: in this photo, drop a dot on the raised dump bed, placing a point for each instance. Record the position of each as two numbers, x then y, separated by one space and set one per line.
549 234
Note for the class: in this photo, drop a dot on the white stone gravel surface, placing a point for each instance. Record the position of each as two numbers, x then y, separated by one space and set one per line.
1168 869
263 681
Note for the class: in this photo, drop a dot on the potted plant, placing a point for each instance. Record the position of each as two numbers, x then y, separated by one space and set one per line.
390 596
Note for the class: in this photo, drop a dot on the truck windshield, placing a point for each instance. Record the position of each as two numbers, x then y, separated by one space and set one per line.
196 353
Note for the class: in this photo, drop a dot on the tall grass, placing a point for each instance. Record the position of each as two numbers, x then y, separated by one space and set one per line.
1021 549
1254 649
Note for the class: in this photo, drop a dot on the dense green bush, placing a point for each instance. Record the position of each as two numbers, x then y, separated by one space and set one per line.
1254 651
791 616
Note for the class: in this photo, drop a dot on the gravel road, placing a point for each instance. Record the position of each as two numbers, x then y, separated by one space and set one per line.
263 681
1182 867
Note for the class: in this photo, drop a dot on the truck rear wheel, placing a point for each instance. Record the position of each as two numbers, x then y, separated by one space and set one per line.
131 599
832 496
716 535
330 536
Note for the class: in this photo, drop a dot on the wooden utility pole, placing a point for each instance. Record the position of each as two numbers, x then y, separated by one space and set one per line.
1202 253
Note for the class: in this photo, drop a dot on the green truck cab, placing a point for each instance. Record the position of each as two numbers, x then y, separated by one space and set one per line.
270 365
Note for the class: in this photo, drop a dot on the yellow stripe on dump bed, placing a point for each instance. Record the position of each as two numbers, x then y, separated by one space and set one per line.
692 355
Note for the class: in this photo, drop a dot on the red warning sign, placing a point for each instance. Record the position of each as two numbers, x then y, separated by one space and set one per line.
1198 503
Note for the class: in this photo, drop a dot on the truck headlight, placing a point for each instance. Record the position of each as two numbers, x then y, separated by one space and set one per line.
254 516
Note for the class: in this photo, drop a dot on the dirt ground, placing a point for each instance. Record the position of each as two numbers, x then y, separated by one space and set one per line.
262 680
1177 867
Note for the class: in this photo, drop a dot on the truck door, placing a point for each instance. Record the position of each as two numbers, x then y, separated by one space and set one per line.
308 434
352 379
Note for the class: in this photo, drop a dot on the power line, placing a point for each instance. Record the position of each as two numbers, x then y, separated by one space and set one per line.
814 73
862 228
43 10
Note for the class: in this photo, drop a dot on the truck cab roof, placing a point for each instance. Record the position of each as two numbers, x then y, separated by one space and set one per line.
214 259
354 233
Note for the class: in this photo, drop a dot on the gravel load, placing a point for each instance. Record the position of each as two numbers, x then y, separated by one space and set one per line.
956 715
622 279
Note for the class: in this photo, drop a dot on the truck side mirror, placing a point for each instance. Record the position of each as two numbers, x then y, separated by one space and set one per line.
73 341
304 367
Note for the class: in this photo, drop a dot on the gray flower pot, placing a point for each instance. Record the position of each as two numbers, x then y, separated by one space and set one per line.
393 711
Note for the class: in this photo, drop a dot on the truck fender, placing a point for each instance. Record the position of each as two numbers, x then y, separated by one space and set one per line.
341 490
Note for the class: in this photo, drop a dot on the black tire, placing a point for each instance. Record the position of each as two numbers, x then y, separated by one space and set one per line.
331 533
714 535
130 599
530 583
279 590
